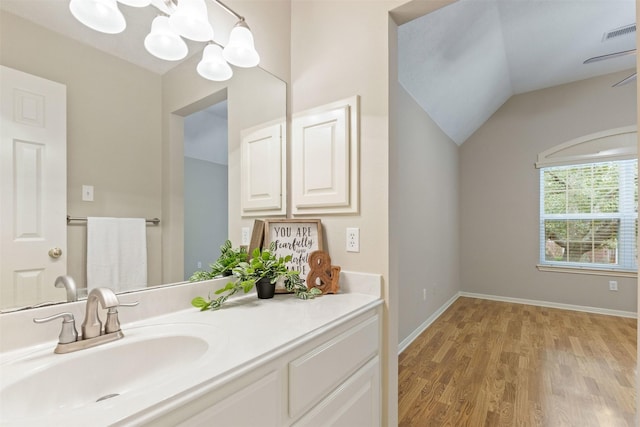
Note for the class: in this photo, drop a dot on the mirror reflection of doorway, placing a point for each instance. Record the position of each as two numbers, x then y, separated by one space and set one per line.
205 186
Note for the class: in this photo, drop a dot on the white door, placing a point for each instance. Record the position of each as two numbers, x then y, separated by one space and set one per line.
33 165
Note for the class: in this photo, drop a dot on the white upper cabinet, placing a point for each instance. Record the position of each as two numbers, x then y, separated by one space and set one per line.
324 159
263 170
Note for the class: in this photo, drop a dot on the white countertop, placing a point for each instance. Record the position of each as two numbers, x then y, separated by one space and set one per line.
245 333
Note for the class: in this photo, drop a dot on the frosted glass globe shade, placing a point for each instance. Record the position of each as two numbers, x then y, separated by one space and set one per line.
213 66
240 50
191 20
99 15
163 43
135 3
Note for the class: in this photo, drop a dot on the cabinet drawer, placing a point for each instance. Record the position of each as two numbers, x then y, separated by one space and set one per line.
356 403
317 373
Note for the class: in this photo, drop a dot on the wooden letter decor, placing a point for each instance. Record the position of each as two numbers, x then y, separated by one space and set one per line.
322 274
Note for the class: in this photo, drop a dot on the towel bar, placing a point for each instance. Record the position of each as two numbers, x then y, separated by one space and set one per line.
154 221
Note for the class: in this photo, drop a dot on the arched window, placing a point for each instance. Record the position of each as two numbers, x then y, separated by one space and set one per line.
589 202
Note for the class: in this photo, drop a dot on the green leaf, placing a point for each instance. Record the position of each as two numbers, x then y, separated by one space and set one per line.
198 302
201 303
247 285
256 253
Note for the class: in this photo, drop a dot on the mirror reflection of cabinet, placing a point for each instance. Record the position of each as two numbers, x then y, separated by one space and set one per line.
263 170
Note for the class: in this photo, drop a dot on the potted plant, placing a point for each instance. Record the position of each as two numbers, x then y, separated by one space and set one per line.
263 270
229 258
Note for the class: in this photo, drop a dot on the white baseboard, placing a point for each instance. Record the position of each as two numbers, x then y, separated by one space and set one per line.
407 341
538 303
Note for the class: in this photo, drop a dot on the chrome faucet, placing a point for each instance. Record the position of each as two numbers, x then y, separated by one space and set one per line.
92 332
92 326
69 284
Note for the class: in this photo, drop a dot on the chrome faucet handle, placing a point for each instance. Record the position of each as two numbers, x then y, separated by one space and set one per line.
129 304
68 334
113 324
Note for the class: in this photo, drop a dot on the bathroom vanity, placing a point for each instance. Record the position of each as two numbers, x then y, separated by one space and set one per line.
279 362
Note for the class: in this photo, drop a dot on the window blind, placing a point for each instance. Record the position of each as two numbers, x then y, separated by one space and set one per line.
589 216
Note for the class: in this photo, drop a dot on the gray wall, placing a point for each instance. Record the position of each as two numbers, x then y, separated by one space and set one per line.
500 197
424 214
205 224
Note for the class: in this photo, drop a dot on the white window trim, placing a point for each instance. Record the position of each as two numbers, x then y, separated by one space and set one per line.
613 144
586 270
610 145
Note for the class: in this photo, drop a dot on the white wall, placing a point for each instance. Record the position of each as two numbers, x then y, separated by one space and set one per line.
424 219
500 192
339 49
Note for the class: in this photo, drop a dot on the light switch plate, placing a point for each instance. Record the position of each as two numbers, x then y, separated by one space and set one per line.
245 236
87 193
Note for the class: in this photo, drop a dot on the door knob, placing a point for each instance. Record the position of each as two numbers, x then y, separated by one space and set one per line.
55 252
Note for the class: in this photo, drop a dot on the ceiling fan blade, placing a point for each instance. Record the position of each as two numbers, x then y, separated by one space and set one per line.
629 79
610 56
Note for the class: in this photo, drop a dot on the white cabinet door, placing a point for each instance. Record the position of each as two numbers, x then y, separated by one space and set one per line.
356 403
263 171
315 374
33 181
255 405
324 159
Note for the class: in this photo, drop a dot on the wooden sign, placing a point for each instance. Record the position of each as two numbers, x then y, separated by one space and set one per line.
257 236
295 237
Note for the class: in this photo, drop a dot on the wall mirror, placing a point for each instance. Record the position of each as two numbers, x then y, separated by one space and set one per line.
132 132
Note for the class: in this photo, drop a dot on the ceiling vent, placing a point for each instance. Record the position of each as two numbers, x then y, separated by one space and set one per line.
627 29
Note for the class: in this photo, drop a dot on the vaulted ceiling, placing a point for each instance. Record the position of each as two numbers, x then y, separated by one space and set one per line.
463 61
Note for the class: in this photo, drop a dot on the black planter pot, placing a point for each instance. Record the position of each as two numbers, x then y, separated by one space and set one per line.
265 288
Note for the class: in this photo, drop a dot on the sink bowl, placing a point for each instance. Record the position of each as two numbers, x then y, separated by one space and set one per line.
44 383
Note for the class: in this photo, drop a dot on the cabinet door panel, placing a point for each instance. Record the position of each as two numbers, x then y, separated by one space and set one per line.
324 159
255 405
314 375
263 170
356 403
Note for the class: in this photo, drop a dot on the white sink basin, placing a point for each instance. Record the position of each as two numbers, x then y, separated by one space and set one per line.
43 383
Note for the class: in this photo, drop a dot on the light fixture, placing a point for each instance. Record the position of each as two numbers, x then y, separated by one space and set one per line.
213 66
136 3
240 50
163 43
186 18
191 21
99 15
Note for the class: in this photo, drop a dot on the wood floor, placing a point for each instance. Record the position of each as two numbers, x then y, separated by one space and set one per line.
488 363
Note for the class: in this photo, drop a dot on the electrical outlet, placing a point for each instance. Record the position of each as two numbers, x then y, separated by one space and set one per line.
245 236
353 239
613 285
424 294
199 264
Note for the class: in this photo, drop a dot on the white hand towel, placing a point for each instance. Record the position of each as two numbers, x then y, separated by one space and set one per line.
116 253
